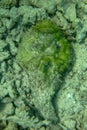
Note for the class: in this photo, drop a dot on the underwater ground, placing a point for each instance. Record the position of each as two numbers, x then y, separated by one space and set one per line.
43 64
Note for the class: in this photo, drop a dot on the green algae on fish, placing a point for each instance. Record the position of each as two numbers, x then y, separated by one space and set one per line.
45 54
45 47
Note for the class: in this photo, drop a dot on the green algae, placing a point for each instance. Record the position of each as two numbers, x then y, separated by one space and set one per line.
45 48
45 55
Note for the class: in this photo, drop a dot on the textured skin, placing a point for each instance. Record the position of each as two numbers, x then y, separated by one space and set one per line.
46 55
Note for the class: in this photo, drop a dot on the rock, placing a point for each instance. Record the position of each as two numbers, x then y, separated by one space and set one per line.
70 12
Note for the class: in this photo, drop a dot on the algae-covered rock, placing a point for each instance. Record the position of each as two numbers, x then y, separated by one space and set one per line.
45 54
49 6
7 3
